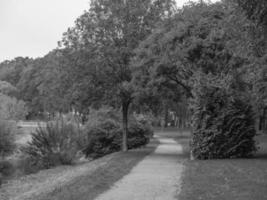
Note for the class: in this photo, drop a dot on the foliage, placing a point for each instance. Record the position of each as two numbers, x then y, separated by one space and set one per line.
10 70
43 84
198 38
223 122
7 140
105 134
209 42
101 139
140 131
104 113
6 169
108 34
255 9
8 89
255 69
57 143
11 108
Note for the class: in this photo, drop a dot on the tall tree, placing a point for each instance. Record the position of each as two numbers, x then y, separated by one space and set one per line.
109 32
43 84
10 70
197 40
256 12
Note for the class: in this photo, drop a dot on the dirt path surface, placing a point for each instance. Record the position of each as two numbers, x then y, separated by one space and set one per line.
157 177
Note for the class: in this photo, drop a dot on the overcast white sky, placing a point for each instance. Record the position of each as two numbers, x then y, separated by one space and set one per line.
33 27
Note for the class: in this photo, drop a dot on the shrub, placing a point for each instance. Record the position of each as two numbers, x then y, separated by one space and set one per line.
6 169
104 113
57 143
11 108
103 138
7 144
223 125
139 131
105 134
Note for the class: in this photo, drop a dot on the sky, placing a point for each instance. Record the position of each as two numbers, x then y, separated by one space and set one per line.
33 27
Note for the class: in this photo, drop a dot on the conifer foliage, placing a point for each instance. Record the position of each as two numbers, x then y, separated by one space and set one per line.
223 124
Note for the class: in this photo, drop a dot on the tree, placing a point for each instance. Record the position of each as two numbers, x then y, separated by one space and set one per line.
201 42
256 68
43 84
109 32
11 108
10 70
8 89
197 39
256 10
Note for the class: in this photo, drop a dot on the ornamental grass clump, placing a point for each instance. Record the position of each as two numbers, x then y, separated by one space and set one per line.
57 143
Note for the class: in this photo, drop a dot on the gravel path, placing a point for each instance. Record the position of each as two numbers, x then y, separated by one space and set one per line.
157 177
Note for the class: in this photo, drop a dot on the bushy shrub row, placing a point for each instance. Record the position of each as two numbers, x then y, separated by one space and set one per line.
104 136
60 142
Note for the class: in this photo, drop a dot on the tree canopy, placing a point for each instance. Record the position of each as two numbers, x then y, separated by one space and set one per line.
108 33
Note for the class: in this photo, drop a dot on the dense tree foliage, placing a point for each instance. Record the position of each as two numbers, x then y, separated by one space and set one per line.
108 33
208 43
11 108
10 71
223 121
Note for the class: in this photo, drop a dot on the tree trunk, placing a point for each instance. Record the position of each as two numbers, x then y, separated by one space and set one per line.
125 107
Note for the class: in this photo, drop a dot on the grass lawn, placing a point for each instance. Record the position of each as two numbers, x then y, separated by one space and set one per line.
227 179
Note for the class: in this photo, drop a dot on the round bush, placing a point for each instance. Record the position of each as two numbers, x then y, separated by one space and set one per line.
105 135
102 138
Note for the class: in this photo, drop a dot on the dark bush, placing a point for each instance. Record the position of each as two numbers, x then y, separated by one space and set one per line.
223 125
105 134
103 138
139 132
7 140
6 169
56 144
25 165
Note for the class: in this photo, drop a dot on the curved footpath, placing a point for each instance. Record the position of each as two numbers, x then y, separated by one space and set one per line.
156 177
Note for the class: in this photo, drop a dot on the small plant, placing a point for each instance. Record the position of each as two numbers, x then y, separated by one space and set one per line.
7 139
6 169
56 144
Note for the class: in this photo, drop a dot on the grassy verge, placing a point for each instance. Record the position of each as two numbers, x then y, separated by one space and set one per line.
77 182
238 179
